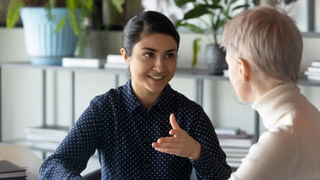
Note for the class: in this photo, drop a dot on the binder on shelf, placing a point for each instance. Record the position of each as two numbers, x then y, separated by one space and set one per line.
9 170
83 62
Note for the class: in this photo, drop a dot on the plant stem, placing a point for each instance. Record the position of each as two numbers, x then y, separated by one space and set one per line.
214 38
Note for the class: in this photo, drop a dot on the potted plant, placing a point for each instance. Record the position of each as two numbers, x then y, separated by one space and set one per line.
53 28
217 12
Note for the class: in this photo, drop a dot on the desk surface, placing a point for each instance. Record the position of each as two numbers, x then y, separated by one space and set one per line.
23 157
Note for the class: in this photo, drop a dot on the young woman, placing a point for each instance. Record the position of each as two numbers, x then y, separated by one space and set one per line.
130 125
264 49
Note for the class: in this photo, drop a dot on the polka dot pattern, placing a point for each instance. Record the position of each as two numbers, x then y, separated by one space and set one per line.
122 130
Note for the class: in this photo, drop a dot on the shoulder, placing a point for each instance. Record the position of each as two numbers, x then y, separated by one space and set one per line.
190 111
108 99
280 142
186 104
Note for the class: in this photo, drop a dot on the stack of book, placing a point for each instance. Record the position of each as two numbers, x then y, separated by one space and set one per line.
45 138
235 144
313 71
9 170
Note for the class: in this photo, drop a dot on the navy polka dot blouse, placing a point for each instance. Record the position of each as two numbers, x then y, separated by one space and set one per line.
122 130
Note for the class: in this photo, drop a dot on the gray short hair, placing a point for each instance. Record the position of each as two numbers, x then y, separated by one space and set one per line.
268 39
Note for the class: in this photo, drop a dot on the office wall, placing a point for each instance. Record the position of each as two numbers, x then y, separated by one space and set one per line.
21 95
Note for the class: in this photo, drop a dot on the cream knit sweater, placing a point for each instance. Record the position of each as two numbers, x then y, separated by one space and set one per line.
290 149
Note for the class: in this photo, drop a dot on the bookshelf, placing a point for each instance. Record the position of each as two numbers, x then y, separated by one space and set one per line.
199 75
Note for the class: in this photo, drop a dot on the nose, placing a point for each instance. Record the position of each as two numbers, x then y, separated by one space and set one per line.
159 64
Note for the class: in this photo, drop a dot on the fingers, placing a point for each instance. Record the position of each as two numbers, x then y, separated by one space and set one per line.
173 122
166 140
169 147
174 151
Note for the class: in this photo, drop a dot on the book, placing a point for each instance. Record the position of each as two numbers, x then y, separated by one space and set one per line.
230 159
227 131
312 73
115 61
234 164
43 145
313 78
83 62
313 69
315 64
236 142
238 150
10 170
115 58
48 133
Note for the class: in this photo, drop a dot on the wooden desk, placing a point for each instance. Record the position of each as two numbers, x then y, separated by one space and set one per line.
23 157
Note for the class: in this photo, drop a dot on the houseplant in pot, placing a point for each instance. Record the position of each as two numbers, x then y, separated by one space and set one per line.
52 27
217 12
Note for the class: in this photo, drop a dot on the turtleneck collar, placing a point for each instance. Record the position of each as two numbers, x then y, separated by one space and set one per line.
275 104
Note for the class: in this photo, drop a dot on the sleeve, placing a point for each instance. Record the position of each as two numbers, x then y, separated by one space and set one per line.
270 158
72 155
212 162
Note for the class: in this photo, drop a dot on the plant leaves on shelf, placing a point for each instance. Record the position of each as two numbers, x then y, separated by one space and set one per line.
196 48
13 12
183 2
189 26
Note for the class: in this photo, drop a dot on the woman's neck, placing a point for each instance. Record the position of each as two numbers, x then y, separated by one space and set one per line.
261 86
146 98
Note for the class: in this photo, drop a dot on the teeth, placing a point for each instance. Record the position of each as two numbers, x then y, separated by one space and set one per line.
157 77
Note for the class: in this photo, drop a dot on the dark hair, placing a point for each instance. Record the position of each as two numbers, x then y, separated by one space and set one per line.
147 22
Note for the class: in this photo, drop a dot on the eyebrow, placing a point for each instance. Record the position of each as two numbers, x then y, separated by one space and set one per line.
154 50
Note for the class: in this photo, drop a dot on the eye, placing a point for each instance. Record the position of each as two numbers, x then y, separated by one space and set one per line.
148 54
171 55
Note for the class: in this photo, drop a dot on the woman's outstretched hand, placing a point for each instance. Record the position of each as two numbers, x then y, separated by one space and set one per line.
179 143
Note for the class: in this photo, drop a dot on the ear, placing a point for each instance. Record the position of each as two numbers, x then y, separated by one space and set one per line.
244 70
125 56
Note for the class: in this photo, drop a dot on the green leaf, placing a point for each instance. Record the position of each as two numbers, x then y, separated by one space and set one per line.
226 14
178 23
216 1
60 24
215 6
231 2
74 22
118 4
196 49
81 44
48 6
183 2
13 12
89 5
196 12
246 6
191 27
72 4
